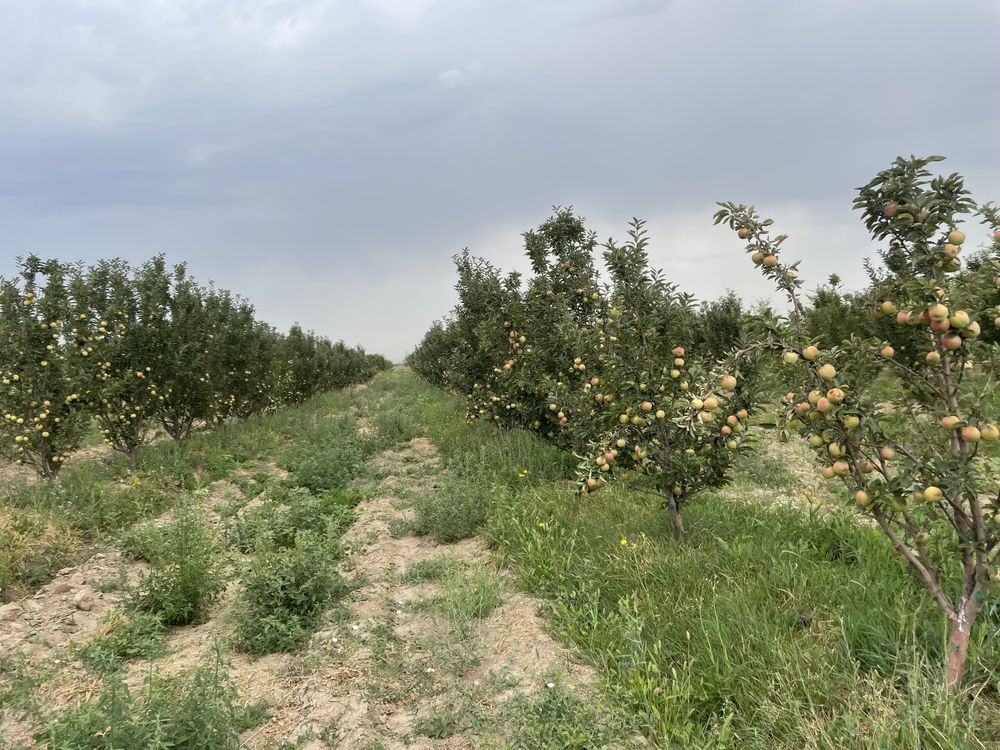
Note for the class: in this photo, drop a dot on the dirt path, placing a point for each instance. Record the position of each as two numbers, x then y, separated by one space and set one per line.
433 649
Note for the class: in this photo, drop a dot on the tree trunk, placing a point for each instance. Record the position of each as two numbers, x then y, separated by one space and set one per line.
675 518
133 457
958 641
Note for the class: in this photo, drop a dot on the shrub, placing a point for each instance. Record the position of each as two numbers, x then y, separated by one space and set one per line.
284 594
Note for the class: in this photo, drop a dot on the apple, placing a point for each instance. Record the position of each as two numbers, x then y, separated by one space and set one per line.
678 362
824 405
742 233
866 466
684 385
728 382
956 237
996 235
593 485
624 419
697 403
646 406
903 317
801 409
890 209
705 416
621 442
949 422
742 414
923 537
810 352
770 261
660 414
678 351
887 351
827 472
887 453
951 251
835 450
638 421
732 445
815 441
841 467
888 307
836 395
940 326
711 403
973 330
726 430
814 397
757 257
990 432
971 434
937 311
933 358
827 371
932 494
790 358
861 498
852 421
675 374
553 407
951 341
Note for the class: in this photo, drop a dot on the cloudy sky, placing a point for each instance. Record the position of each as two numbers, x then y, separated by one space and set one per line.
326 158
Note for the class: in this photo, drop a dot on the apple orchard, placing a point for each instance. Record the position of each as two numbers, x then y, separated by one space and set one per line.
893 388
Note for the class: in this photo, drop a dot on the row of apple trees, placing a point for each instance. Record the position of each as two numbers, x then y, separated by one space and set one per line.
135 348
894 387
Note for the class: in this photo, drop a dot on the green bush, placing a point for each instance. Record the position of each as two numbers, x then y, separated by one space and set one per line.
124 636
284 594
185 577
281 517
329 458
198 712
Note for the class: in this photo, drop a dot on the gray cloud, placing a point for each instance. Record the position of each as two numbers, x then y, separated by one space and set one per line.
326 158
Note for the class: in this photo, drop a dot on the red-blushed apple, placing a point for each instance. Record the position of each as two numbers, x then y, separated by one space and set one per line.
824 405
937 311
728 382
841 467
711 403
770 261
811 352
951 341
827 472
827 371
886 453
726 430
836 395
971 434
903 317
742 233
887 351
956 237
678 351
742 414
940 326
890 209
646 406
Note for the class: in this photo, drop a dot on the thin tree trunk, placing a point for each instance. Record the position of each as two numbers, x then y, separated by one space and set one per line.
675 518
958 642
133 457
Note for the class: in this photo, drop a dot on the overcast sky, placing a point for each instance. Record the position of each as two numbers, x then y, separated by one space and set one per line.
326 158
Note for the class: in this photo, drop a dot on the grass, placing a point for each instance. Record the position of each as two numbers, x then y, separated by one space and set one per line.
47 526
201 711
772 627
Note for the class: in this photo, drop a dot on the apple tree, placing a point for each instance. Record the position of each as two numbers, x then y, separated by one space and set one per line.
915 461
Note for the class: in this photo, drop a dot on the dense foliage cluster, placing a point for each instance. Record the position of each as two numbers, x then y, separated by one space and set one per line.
627 374
131 348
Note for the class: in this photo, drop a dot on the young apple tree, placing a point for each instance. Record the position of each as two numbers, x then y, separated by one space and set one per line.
646 403
915 461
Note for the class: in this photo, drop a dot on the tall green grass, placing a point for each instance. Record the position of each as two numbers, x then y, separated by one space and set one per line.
772 627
